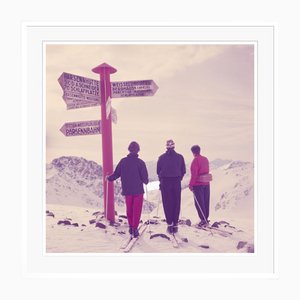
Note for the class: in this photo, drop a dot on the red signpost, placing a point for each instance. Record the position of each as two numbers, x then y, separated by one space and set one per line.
80 92
107 154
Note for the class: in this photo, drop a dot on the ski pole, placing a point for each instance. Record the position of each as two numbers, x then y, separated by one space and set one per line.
159 200
147 195
195 198
106 204
158 205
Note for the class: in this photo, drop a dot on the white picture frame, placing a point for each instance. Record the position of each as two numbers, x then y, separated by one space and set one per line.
263 263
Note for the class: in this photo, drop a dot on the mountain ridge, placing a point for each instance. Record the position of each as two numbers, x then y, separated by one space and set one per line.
77 181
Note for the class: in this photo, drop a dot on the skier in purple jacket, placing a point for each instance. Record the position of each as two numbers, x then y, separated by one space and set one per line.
133 173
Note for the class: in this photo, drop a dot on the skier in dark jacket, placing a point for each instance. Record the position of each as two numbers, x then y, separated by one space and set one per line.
133 173
170 171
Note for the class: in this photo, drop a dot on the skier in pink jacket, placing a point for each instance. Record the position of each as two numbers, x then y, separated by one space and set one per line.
200 188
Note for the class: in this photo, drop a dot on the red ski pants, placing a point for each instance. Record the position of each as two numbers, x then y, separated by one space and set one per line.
134 205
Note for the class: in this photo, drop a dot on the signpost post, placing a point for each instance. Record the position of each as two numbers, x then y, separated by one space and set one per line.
82 92
104 70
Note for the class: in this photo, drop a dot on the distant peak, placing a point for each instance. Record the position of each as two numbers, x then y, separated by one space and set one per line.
238 163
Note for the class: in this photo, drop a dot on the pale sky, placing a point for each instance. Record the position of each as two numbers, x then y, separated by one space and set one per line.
205 97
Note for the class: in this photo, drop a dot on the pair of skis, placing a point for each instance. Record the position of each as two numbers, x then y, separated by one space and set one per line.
175 240
212 229
130 242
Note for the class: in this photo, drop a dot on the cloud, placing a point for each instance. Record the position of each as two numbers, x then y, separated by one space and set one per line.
131 61
205 96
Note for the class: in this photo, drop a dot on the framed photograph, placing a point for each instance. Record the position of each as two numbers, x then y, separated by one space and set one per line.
149 144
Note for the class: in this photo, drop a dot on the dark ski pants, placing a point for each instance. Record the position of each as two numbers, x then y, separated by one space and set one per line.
134 205
202 195
171 198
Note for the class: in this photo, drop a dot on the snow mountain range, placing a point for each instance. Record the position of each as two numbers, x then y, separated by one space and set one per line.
78 182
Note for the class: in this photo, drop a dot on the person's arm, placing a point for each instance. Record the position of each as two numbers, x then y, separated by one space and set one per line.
116 174
144 173
208 165
194 174
183 168
158 168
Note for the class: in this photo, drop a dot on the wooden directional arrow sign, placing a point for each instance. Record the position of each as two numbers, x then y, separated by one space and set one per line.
135 88
80 104
79 91
81 128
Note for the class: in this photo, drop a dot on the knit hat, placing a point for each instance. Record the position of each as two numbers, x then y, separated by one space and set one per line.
134 147
170 144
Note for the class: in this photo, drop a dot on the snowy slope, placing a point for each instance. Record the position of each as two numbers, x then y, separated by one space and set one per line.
232 196
232 189
237 191
82 236
74 181
72 195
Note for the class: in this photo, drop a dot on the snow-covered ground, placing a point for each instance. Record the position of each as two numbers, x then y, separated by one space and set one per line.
232 201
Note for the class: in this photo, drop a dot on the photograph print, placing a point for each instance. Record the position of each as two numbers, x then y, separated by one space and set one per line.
149 148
